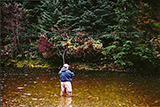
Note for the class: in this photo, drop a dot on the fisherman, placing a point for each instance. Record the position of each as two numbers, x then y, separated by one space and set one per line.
66 77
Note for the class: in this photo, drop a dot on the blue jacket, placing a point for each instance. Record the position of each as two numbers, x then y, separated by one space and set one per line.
65 74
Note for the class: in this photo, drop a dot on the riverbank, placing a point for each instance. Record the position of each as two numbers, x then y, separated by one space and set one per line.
73 66
52 65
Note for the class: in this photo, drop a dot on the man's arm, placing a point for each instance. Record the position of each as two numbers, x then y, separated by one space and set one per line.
72 74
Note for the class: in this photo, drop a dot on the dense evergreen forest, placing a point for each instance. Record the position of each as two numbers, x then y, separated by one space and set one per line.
114 35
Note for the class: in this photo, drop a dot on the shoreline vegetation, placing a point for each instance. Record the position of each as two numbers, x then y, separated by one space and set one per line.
73 66
94 35
43 64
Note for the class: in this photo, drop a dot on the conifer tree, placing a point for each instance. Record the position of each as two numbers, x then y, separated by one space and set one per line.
50 14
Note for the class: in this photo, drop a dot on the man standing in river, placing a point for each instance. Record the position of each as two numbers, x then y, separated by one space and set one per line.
66 77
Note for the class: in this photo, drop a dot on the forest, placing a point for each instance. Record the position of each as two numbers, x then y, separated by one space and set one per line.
111 35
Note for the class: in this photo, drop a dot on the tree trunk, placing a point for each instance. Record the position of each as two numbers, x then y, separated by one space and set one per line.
18 36
12 27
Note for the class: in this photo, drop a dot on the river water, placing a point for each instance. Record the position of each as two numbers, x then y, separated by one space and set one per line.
24 87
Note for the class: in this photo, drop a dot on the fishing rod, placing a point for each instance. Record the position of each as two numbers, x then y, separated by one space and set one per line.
63 57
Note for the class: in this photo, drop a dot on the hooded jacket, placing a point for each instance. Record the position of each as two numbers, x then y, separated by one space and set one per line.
65 74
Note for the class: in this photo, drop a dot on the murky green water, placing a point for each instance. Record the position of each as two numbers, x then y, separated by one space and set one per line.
41 88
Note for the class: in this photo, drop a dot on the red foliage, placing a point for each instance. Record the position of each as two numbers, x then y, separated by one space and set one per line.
73 53
80 49
90 43
48 55
81 41
45 46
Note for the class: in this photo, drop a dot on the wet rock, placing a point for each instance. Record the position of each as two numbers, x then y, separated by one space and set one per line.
34 98
20 88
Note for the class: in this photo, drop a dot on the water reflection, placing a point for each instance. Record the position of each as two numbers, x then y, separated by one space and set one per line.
66 102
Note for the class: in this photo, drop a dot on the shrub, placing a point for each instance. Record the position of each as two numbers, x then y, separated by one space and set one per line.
129 52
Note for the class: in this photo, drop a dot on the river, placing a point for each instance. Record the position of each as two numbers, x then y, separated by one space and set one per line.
26 87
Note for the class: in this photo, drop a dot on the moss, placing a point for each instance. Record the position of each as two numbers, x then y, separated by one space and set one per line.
86 66
33 64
